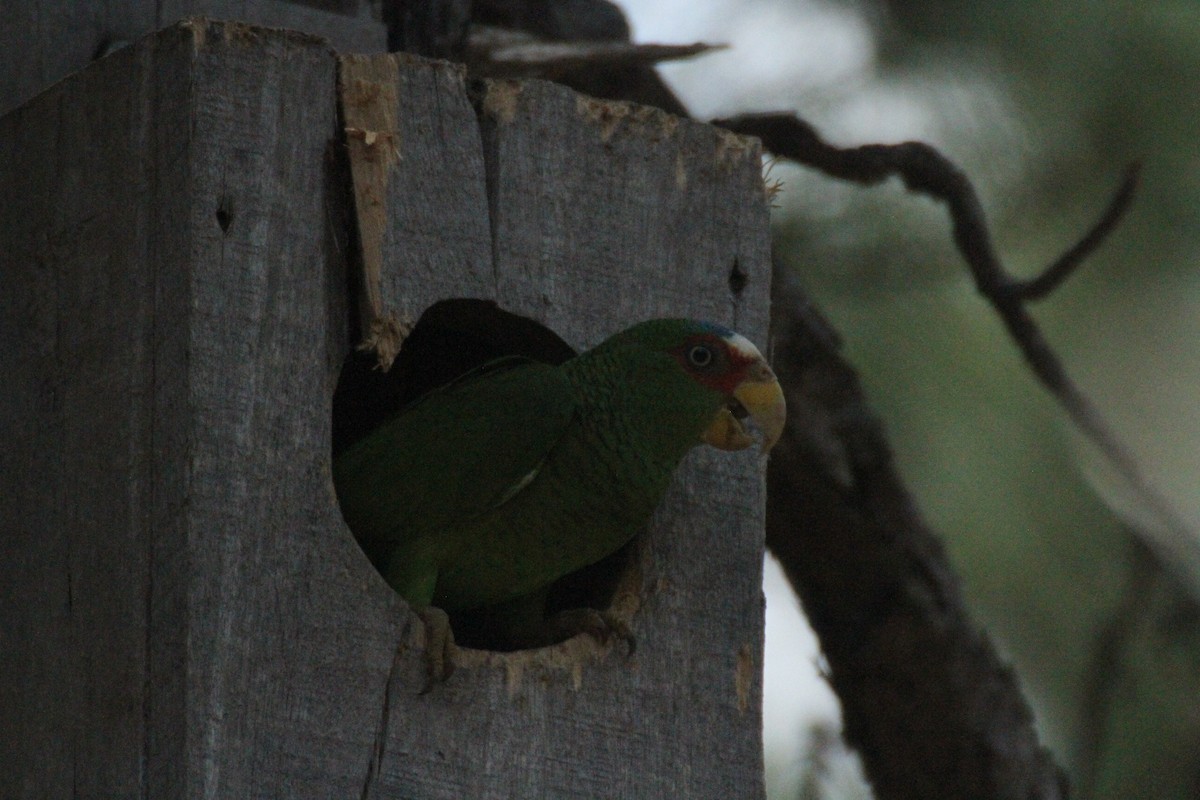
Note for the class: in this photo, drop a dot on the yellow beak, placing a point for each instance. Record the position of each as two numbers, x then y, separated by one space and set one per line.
762 399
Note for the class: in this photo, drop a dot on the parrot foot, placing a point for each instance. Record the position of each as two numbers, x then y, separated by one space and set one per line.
440 649
600 625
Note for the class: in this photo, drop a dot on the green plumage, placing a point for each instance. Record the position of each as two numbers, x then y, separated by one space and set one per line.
493 487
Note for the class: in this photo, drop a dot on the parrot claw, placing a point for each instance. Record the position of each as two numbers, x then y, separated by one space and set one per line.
440 649
600 625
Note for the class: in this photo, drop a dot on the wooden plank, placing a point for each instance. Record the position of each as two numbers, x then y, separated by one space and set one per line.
287 653
186 604
42 41
78 413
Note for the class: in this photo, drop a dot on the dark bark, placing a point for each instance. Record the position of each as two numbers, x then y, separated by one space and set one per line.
431 28
927 702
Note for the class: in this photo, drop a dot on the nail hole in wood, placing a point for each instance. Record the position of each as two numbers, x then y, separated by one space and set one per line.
225 215
737 278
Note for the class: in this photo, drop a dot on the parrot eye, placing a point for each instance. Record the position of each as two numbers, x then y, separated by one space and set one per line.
700 356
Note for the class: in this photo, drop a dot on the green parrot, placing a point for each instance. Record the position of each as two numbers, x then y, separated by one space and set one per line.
488 489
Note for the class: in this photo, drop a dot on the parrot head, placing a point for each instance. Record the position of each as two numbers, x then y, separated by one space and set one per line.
722 375
730 364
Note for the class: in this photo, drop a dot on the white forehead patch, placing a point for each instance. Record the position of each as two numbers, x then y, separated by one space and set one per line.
744 346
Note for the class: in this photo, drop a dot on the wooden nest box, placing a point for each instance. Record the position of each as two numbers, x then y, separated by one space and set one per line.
185 613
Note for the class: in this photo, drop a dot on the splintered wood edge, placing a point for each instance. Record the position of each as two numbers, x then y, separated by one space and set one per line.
242 32
572 655
743 676
569 657
368 93
610 115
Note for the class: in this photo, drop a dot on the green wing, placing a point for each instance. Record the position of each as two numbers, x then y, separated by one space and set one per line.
454 454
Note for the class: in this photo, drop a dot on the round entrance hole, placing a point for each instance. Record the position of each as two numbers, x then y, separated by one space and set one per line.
452 338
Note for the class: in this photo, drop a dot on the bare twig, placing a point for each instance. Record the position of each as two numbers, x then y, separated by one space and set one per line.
925 170
1060 270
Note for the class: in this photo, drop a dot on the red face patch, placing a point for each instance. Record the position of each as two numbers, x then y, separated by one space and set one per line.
712 362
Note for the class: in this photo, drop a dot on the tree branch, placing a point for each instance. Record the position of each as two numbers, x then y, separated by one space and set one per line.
924 170
926 700
501 53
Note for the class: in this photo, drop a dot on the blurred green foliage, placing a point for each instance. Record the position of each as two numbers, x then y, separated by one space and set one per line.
1108 646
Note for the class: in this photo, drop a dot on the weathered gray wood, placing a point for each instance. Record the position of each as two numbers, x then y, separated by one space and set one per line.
286 652
78 411
42 41
184 612
187 606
